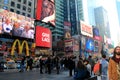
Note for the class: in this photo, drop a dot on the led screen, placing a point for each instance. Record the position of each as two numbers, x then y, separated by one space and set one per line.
46 11
95 32
89 44
43 37
68 45
16 25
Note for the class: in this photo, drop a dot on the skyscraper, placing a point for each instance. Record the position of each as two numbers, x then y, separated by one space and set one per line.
102 23
118 10
73 13
23 7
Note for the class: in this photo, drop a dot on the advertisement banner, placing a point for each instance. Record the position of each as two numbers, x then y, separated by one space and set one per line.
20 47
69 45
46 11
86 29
43 37
16 25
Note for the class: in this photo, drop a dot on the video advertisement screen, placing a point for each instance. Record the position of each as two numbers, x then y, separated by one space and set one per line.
89 44
16 25
46 11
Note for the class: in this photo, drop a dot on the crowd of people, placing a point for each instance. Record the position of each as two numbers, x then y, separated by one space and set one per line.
79 68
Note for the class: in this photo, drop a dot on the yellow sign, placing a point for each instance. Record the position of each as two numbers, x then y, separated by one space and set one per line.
20 46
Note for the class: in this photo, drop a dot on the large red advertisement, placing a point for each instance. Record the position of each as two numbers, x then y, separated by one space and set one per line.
46 11
43 37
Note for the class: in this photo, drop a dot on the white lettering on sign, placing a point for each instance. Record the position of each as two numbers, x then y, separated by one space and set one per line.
45 37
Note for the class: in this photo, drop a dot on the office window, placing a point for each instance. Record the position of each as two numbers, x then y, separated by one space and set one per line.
12 10
5 7
5 1
24 8
13 4
29 9
24 1
18 12
29 3
29 15
23 14
19 0
18 6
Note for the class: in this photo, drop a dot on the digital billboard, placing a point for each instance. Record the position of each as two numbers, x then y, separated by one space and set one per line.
89 44
69 45
96 32
43 37
16 25
46 11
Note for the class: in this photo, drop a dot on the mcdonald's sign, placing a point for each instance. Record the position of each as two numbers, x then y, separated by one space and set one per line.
20 47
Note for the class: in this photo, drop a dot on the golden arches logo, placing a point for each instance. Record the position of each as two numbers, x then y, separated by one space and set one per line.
20 47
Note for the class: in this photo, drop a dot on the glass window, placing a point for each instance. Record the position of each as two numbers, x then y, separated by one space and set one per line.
18 6
23 14
13 4
29 15
5 1
24 1
5 7
18 12
29 9
12 10
19 0
29 3
24 8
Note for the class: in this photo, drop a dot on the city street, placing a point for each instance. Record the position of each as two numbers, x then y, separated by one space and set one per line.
14 74
34 75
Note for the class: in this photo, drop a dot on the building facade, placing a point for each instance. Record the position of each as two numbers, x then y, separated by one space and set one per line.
102 22
23 7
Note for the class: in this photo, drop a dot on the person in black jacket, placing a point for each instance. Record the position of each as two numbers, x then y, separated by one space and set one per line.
41 64
70 65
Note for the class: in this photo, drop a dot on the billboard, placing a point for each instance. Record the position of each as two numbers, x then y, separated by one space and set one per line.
16 25
46 11
89 46
86 29
96 32
69 45
43 37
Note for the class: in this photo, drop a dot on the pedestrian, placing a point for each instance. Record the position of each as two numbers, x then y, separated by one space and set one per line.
114 65
92 62
70 65
22 64
88 66
81 71
57 64
104 68
41 64
49 62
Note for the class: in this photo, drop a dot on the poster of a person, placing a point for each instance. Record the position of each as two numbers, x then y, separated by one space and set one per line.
48 11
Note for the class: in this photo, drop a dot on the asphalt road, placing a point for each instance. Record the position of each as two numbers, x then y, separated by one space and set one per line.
33 75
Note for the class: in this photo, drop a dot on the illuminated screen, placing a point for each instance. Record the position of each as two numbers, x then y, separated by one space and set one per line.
68 45
16 25
46 11
89 44
43 37
95 32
